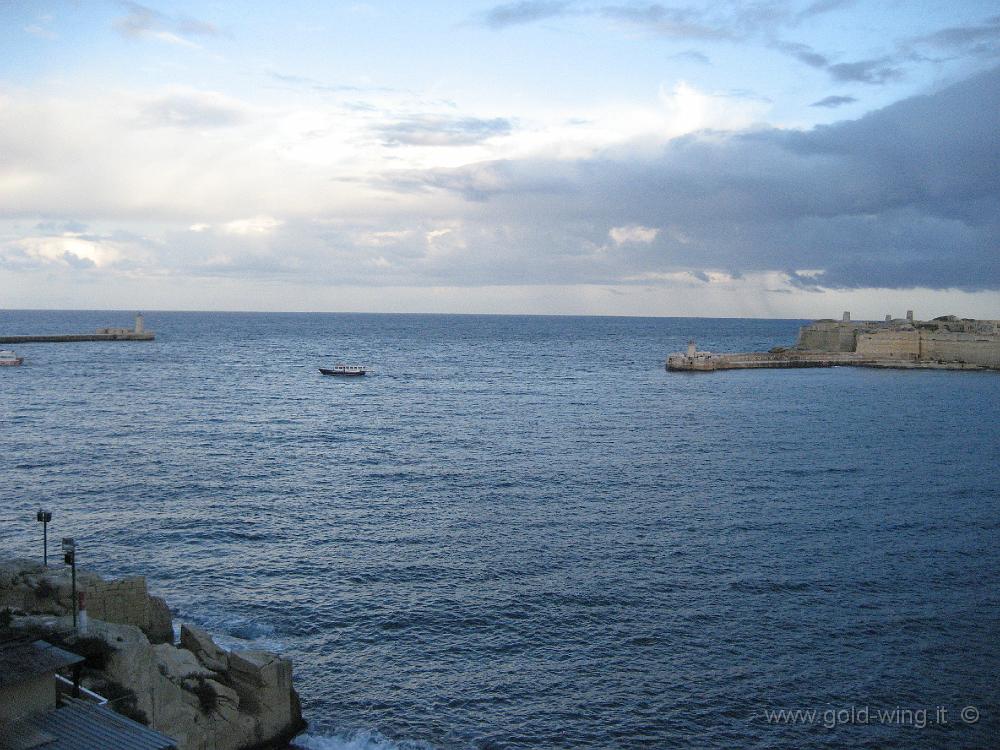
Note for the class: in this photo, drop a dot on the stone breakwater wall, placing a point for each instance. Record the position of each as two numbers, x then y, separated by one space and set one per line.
203 696
709 361
66 338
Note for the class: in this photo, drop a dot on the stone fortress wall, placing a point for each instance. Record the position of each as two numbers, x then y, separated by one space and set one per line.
943 343
944 339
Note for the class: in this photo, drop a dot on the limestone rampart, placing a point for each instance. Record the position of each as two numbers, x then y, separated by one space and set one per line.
828 336
961 347
943 343
890 344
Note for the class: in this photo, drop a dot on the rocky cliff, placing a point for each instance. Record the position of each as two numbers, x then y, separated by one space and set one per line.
196 692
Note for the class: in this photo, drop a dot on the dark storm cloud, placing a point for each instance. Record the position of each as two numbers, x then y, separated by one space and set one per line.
141 20
906 196
437 130
834 101
512 14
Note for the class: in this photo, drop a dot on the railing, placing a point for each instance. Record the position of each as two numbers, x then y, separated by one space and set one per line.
65 685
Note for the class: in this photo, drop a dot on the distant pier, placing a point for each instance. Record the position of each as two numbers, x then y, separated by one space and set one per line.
138 333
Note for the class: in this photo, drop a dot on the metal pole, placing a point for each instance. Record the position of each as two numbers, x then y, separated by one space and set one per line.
43 517
75 604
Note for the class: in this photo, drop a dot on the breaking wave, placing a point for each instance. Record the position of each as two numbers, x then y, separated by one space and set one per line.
355 739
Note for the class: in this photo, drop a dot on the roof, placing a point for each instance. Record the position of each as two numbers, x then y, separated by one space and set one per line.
80 725
21 660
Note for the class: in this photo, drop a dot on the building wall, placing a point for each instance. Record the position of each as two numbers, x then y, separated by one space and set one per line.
33 696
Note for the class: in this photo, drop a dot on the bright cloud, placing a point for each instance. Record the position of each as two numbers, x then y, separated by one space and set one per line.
633 233
257 225
70 250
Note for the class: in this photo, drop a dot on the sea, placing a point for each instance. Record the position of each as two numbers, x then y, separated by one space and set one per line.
523 532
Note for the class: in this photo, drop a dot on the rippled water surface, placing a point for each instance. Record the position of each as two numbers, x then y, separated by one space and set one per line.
521 532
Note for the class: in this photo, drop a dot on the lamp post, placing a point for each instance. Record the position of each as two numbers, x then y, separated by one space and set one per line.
69 557
44 517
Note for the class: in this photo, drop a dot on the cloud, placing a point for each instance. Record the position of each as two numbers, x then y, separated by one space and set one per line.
979 39
976 40
192 109
682 23
694 56
440 130
834 101
526 11
876 71
77 251
760 23
633 233
824 6
258 225
144 22
40 31
803 53
905 196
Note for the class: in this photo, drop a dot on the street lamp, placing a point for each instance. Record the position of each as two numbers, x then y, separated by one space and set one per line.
44 517
69 557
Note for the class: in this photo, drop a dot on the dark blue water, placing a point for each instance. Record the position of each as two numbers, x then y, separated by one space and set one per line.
522 532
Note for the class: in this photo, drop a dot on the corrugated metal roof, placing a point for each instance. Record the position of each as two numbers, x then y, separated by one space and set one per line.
79 725
22 660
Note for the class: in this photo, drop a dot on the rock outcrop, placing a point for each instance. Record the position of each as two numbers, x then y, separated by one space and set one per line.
203 696
28 586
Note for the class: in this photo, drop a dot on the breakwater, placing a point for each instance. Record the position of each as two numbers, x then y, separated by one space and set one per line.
708 361
137 333
69 337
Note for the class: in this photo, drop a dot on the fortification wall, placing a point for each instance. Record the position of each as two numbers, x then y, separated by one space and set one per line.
890 344
960 347
826 336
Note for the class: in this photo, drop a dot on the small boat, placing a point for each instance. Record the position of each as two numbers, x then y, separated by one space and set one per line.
9 359
343 370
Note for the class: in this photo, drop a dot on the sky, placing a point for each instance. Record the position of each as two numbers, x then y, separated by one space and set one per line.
777 158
